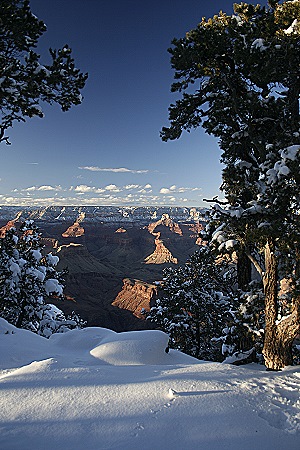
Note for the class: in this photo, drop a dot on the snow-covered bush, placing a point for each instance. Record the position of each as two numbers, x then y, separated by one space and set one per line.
27 279
195 305
243 337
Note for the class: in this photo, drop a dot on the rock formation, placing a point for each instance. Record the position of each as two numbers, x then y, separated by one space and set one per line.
6 227
121 230
10 224
75 230
167 222
136 296
161 254
196 229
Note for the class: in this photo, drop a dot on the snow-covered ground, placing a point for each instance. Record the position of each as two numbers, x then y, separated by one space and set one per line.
95 389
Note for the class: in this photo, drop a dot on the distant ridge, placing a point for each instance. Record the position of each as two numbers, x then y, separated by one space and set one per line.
100 213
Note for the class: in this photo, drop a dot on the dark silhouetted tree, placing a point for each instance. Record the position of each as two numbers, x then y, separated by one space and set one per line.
24 82
239 79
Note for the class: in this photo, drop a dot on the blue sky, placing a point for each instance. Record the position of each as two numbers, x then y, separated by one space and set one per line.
107 151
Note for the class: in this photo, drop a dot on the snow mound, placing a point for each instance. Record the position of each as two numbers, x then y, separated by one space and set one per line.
84 339
133 348
6 328
20 347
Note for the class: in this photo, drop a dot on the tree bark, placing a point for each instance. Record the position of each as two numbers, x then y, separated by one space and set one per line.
279 337
270 349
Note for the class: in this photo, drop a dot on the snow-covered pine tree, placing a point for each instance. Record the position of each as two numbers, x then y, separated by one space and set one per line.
194 305
27 279
24 82
245 68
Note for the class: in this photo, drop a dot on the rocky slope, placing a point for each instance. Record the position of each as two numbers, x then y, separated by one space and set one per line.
136 296
10 224
75 230
167 222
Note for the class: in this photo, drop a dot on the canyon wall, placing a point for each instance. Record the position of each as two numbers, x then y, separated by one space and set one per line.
136 296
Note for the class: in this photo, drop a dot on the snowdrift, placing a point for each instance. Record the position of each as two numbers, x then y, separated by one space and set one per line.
97 389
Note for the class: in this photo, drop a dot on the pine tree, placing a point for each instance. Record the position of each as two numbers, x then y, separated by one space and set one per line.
24 82
247 68
27 279
194 305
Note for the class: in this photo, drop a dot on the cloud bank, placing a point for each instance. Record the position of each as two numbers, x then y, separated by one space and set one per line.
115 170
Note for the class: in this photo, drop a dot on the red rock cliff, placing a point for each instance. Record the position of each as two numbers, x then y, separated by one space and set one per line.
161 254
135 296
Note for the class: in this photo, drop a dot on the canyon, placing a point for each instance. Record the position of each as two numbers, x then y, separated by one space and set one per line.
114 256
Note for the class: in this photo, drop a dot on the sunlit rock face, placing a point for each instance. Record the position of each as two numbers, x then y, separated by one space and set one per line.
136 296
75 230
161 254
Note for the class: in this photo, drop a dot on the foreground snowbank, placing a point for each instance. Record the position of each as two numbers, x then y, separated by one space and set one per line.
96 389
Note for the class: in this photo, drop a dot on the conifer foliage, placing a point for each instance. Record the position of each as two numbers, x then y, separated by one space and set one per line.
27 279
24 82
239 79
194 305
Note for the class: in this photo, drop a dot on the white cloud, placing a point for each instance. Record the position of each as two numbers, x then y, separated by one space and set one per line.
115 170
9 200
49 188
145 191
174 189
83 188
29 189
111 194
40 188
132 186
164 191
113 188
109 198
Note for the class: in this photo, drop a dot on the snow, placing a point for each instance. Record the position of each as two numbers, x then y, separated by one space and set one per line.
36 254
280 168
53 286
231 243
260 44
293 28
52 260
14 268
96 389
290 152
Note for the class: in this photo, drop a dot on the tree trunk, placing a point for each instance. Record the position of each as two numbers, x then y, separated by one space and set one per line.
279 337
271 348
243 269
